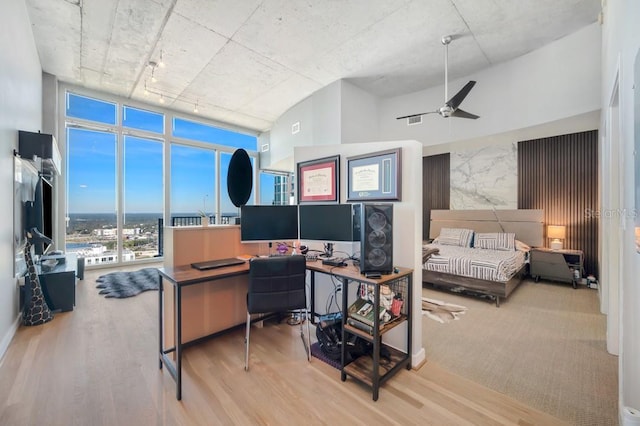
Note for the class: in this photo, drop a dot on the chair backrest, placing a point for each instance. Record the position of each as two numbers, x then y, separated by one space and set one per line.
276 284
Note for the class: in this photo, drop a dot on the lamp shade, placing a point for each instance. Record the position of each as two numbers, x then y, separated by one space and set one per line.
557 232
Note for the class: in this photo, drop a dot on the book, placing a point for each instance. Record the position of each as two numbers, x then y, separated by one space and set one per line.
361 326
362 310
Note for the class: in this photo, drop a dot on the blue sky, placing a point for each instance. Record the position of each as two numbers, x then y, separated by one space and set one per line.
92 163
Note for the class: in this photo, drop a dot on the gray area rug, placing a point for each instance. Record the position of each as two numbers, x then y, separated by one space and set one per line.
128 284
544 346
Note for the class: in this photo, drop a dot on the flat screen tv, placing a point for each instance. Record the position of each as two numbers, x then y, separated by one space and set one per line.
39 213
330 222
268 223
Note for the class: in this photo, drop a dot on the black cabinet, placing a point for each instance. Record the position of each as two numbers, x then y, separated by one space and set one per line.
58 281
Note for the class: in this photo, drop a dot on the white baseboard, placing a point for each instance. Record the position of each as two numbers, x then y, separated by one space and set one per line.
418 358
6 339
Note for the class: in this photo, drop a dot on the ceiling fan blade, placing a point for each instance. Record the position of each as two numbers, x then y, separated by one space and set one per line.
415 115
459 97
463 114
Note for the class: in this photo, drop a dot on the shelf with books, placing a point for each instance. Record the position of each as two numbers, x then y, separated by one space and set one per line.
366 331
362 310
386 298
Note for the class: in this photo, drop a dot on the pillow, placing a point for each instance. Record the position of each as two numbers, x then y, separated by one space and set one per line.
455 237
505 241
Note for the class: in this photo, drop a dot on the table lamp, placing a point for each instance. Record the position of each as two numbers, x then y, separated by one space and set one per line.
557 233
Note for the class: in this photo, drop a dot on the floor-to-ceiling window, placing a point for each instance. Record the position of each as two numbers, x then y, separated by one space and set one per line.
276 188
193 181
143 197
116 175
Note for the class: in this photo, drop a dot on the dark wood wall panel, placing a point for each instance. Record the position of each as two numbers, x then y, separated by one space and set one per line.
435 187
560 176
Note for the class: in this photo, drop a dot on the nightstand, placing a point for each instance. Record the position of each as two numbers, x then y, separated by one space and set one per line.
557 265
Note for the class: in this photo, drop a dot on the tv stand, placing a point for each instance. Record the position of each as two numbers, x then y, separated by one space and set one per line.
58 283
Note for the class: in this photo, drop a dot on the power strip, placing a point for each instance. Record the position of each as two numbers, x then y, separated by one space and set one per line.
334 262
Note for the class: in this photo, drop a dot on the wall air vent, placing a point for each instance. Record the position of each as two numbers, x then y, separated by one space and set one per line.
414 120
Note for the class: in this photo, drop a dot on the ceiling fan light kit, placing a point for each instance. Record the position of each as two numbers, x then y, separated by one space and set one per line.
450 107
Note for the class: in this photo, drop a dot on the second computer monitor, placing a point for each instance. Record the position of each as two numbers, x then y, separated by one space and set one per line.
330 222
266 223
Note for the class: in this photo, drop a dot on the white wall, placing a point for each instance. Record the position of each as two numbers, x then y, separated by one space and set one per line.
407 223
319 120
560 80
621 44
359 114
20 109
338 113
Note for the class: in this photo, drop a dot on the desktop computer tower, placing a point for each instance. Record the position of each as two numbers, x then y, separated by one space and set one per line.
376 238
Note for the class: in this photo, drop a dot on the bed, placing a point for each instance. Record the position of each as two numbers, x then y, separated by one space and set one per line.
482 252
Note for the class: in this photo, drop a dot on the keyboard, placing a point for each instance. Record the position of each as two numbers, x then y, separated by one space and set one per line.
218 263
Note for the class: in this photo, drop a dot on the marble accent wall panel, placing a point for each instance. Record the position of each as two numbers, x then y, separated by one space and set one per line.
485 178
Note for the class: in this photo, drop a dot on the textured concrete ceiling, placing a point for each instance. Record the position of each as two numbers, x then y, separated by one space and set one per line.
245 62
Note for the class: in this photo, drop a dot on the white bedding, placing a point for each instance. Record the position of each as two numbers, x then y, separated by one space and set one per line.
491 265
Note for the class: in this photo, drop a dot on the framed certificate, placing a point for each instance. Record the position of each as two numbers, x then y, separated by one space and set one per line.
374 176
318 180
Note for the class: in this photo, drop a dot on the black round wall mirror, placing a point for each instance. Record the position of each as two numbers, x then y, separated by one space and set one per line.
239 178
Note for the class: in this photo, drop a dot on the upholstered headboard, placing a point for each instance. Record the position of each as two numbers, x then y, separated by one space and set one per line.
526 224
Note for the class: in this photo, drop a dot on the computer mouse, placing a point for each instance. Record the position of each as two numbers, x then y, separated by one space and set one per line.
396 270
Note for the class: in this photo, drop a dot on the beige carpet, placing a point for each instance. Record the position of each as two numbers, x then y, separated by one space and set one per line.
544 346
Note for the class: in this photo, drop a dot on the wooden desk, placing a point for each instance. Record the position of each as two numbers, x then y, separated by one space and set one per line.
365 369
180 277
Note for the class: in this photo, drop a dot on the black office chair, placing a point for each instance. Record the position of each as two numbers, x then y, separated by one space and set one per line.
277 284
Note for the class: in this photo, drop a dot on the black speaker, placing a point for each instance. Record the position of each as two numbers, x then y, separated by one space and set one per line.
239 178
376 238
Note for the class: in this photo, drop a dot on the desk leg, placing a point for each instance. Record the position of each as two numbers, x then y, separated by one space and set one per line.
160 318
410 319
178 342
343 352
313 296
377 344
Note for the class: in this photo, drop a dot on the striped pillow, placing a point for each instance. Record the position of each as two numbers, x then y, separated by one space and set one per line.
455 237
505 241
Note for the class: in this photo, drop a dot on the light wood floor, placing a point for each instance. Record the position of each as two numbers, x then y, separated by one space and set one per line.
98 365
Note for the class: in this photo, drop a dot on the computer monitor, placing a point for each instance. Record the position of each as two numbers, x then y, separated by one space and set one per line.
268 223
330 222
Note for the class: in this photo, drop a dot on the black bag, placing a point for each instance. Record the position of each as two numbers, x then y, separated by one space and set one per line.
329 334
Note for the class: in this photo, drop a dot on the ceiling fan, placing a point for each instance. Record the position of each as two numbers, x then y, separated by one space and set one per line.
450 107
